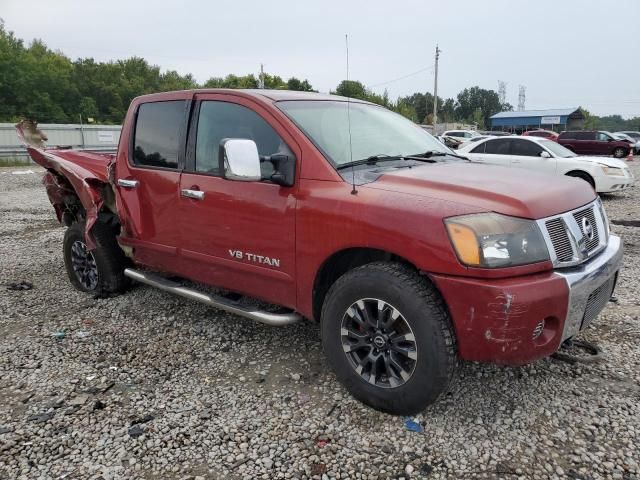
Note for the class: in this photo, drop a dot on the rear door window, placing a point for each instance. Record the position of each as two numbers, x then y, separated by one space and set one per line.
479 148
157 134
499 146
524 148
584 136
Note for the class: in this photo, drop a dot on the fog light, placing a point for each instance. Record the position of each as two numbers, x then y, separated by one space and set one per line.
539 328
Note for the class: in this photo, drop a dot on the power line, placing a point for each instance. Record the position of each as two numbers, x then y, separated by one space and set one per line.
403 77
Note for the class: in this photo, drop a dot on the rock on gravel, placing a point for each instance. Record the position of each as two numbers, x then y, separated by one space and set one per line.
177 365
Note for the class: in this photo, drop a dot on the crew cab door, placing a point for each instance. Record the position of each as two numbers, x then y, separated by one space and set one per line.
148 169
527 154
237 235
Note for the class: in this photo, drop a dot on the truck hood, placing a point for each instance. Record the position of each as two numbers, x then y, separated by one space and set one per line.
519 193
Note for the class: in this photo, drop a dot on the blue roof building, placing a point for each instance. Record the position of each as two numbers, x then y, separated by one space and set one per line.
557 119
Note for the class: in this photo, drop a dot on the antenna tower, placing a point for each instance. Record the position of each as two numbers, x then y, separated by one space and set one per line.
521 97
502 92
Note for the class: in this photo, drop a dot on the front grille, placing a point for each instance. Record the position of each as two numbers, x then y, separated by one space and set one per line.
565 234
559 239
597 301
588 213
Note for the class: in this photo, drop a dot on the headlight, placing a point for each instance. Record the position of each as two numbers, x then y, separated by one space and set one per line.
612 171
491 240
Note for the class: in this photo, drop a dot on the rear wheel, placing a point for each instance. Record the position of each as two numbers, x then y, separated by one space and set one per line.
99 271
584 176
388 337
619 152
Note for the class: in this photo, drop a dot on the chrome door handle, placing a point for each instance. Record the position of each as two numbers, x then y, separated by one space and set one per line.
127 183
195 194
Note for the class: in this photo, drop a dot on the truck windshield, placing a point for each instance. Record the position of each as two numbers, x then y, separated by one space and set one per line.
375 131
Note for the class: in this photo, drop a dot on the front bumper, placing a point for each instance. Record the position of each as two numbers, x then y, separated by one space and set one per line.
518 320
590 286
607 184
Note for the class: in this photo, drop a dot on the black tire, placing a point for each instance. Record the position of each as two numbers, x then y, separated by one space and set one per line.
584 176
620 152
420 306
108 258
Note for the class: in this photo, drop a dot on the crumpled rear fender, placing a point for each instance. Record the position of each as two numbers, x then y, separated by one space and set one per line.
87 184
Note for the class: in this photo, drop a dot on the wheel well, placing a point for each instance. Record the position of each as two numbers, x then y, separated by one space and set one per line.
339 264
582 174
68 205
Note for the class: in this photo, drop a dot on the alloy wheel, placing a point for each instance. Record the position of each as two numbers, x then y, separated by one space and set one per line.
379 343
84 265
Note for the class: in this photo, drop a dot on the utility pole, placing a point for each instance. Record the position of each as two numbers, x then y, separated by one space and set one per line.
435 91
81 130
261 75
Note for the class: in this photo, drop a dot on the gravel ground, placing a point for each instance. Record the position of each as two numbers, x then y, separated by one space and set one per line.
146 385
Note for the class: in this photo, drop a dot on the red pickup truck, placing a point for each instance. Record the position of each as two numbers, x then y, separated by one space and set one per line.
340 212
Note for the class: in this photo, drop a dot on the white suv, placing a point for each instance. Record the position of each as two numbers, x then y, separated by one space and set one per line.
604 174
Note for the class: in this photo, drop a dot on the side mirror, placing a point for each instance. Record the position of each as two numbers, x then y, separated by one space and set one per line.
609 139
239 160
545 154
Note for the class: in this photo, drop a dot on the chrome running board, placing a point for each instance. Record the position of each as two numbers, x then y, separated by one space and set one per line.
273 319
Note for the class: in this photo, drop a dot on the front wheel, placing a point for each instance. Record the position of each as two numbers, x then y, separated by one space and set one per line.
388 337
619 152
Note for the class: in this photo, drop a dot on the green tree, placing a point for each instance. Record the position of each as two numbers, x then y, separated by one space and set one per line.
406 109
300 85
471 99
352 89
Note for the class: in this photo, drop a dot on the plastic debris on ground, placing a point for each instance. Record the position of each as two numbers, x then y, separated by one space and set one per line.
413 426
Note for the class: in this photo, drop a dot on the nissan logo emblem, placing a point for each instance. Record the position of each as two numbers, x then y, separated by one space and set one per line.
587 228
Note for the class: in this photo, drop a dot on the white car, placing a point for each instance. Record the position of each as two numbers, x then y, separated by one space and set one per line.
604 174
464 134
475 139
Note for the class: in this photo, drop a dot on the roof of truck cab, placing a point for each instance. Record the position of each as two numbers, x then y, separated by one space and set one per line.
272 95
281 95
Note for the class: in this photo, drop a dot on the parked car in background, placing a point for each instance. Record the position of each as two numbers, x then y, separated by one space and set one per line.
541 154
635 143
594 142
475 139
495 133
548 134
451 142
631 133
461 133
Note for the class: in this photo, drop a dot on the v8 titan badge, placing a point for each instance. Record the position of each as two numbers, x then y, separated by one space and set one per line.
252 257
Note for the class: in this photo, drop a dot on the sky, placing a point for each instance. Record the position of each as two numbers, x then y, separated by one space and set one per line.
566 53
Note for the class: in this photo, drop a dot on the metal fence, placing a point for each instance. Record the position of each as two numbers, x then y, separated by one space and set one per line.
96 138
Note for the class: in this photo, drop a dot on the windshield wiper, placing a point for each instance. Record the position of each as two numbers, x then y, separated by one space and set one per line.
433 153
372 160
